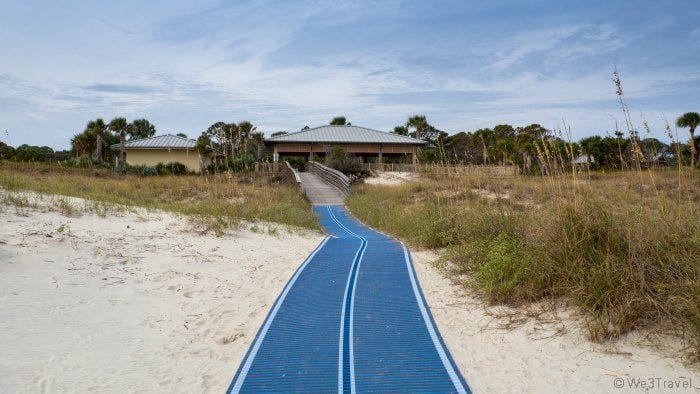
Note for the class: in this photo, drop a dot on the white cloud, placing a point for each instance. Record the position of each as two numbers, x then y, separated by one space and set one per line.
203 63
559 44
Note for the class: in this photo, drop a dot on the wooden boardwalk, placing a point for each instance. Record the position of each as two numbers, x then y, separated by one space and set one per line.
319 192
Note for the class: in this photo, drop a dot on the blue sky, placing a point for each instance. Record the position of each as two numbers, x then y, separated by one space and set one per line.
283 65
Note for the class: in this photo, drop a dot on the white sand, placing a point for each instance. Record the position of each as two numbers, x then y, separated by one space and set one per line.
388 178
135 302
138 301
549 354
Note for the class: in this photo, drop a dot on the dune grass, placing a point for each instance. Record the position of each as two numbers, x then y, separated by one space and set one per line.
227 199
625 247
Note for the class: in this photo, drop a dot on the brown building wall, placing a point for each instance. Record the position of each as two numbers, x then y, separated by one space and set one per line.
350 148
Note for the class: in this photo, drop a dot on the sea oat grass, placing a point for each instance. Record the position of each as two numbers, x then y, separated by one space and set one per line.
625 247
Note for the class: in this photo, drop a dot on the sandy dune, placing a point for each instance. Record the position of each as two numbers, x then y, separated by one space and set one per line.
136 301
388 178
140 301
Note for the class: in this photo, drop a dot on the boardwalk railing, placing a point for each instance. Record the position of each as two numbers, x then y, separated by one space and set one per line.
330 176
289 174
494 170
268 168
258 168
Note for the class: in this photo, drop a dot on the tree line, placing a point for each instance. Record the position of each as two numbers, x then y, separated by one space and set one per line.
525 146
94 141
241 144
237 142
26 153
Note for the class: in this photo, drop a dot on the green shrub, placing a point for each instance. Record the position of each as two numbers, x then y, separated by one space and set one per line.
85 161
141 170
172 168
349 165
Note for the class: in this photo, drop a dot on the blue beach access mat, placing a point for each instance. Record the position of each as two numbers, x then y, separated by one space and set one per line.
351 319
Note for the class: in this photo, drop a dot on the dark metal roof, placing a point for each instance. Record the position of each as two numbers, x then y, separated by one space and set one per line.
345 134
167 141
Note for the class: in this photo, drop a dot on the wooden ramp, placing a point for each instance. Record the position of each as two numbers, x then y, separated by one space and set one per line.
319 192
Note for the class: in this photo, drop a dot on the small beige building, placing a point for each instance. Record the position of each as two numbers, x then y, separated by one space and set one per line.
166 149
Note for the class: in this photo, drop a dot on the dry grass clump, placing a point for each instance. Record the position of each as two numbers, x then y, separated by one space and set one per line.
224 198
625 247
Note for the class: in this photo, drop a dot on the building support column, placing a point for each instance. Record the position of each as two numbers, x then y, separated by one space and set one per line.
311 152
275 155
380 154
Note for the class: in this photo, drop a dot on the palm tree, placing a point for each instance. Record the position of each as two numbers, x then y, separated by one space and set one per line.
488 140
245 129
204 145
422 130
258 140
98 127
230 131
122 128
339 121
83 143
400 130
143 129
691 121
419 124
504 150
221 132
525 143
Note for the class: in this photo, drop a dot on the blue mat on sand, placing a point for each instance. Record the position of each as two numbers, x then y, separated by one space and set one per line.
351 319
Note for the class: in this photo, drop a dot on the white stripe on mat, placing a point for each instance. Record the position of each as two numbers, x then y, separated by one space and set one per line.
431 330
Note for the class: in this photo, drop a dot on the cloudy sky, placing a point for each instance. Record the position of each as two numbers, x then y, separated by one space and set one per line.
286 64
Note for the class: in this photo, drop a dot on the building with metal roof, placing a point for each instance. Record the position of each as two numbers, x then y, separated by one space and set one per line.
165 149
167 141
368 144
